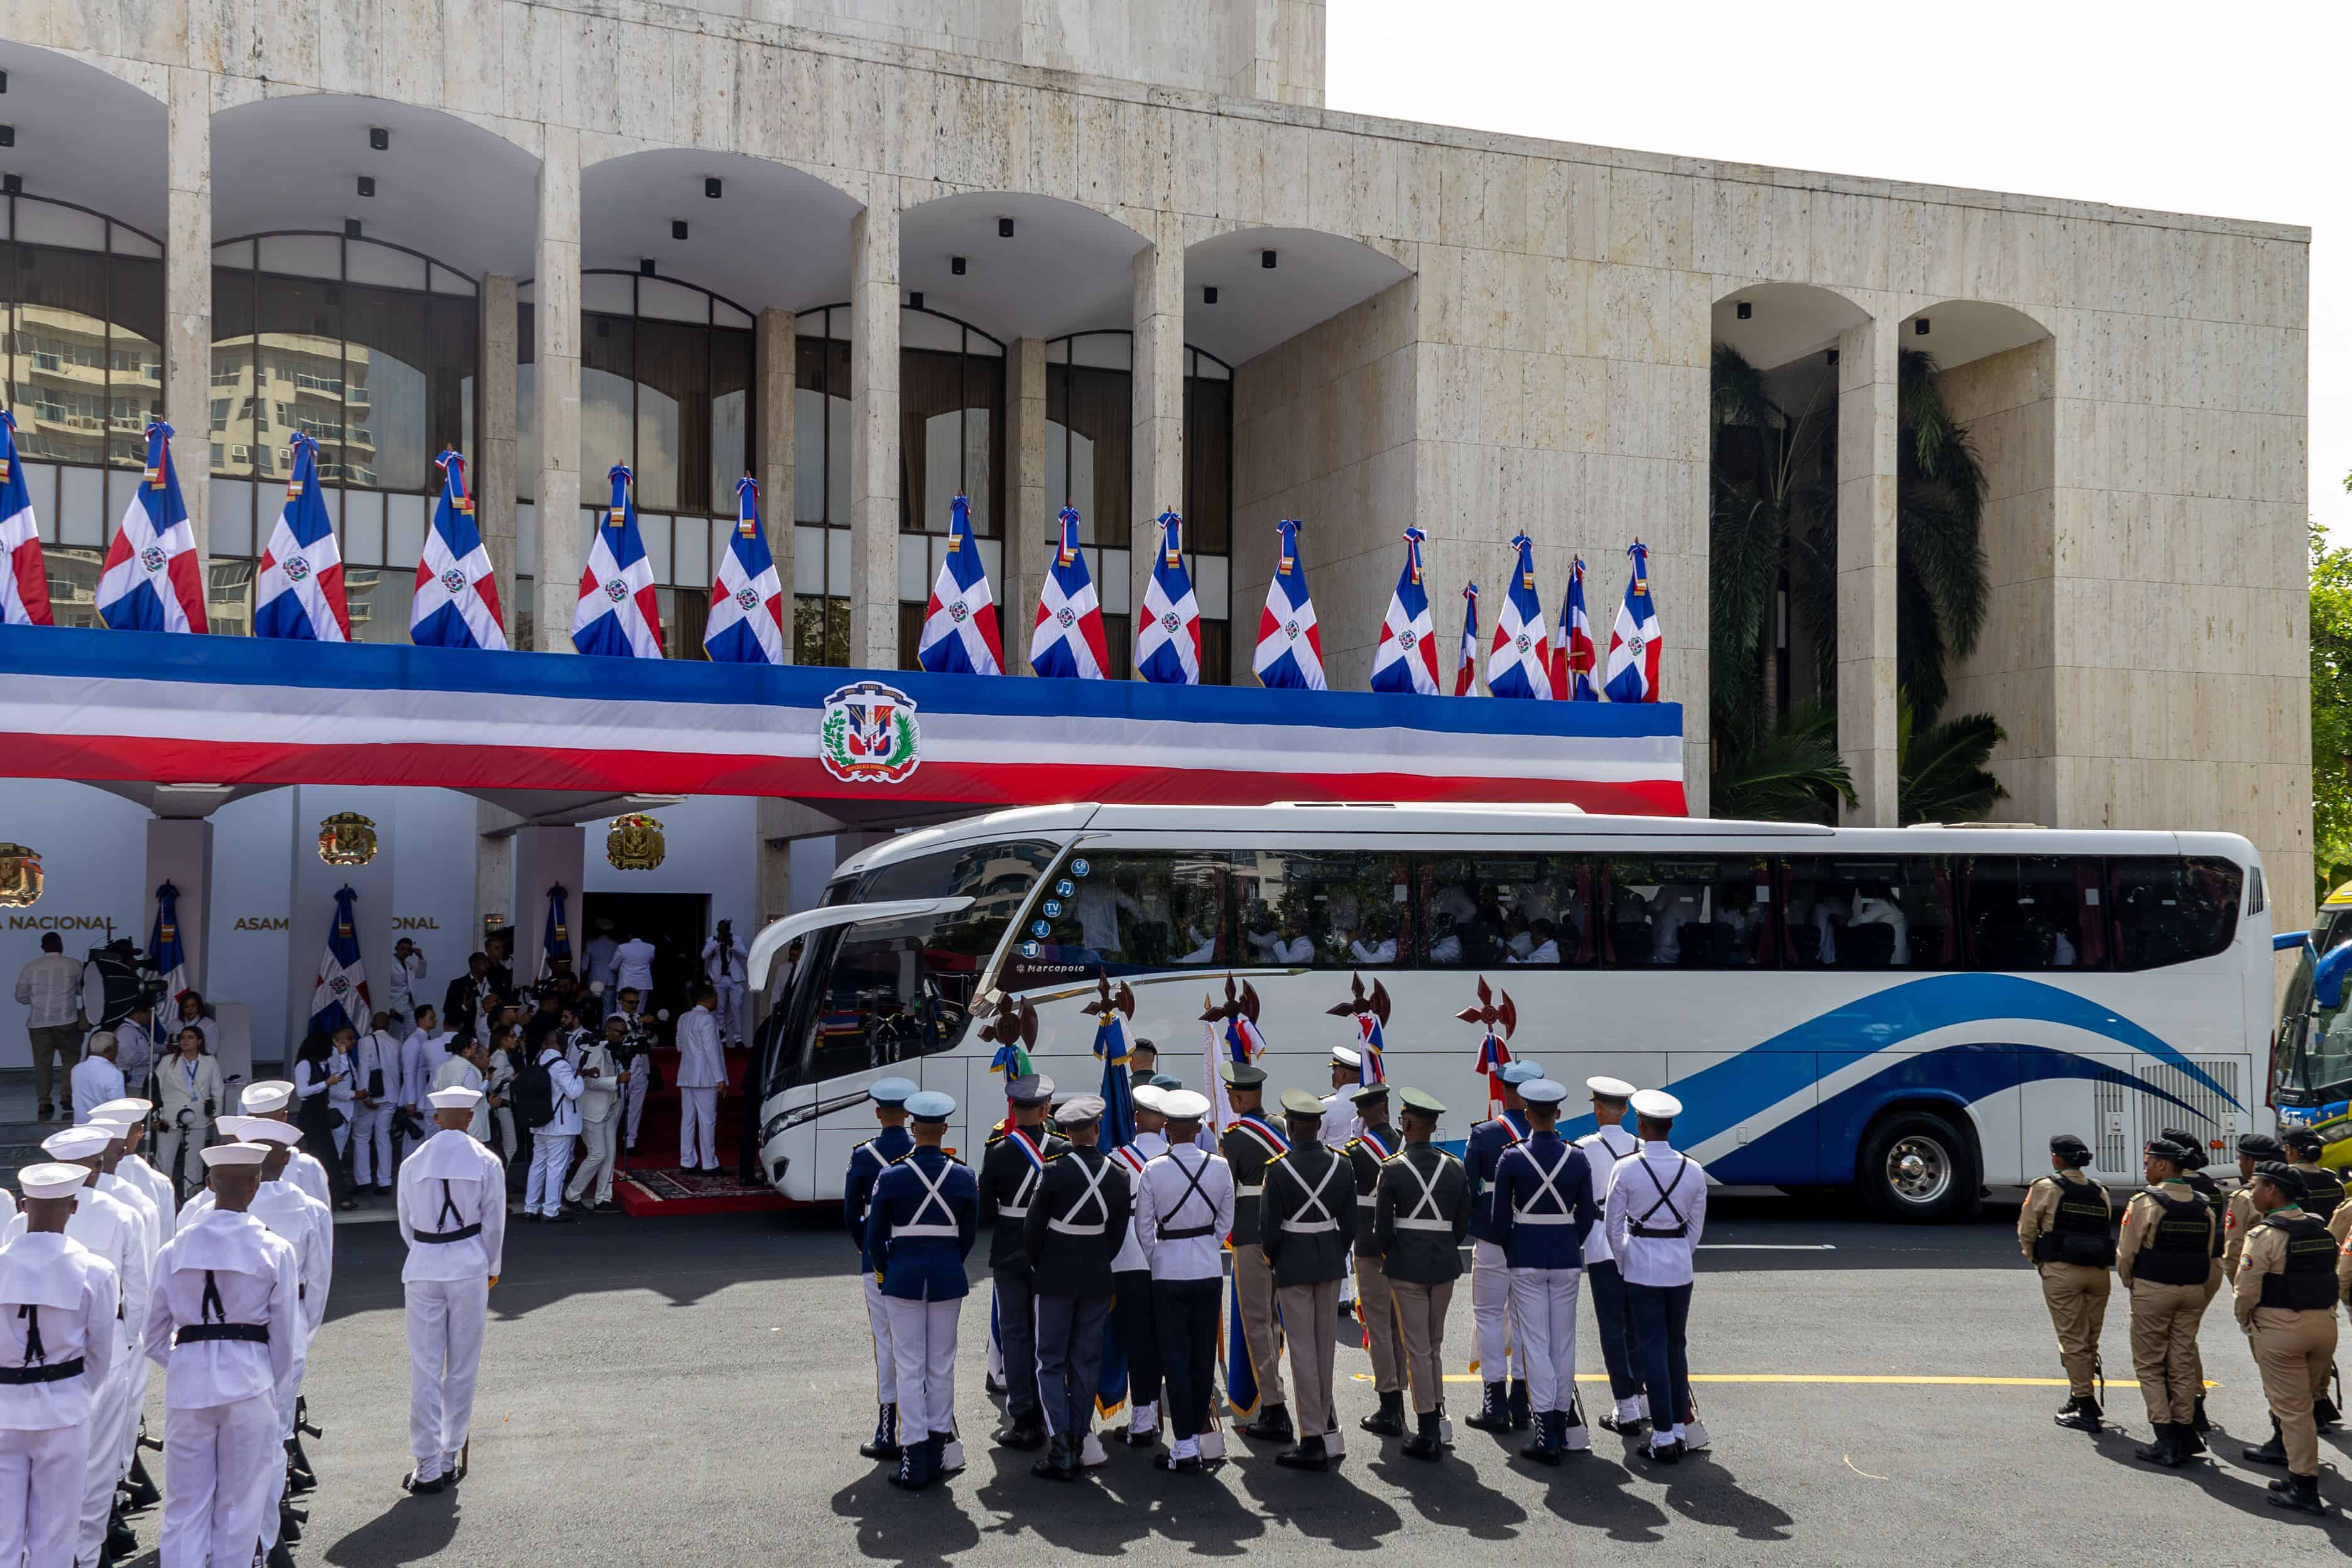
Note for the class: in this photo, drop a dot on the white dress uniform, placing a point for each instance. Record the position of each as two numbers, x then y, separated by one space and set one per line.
701 1073
401 988
226 1325
1183 1211
725 972
270 1099
1603 1149
60 1343
378 1051
599 1100
118 1233
125 1435
453 1217
551 1145
1655 1215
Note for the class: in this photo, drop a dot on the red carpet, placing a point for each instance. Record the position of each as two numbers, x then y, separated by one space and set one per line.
670 1191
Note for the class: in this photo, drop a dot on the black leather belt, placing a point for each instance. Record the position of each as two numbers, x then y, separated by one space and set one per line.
198 1333
1187 1233
463 1233
56 1372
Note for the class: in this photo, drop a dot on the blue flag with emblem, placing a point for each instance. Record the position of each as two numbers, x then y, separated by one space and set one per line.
166 955
555 942
1118 1131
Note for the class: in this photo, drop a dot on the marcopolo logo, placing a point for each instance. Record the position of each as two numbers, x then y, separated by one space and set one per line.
868 734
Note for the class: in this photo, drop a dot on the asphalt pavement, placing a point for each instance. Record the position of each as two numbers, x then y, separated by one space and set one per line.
694 1390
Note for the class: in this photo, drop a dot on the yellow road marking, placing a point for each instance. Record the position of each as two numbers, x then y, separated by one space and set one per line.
1899 1379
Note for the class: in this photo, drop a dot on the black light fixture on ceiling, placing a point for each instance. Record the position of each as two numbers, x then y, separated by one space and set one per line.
350 228
367 185
1746 310
1005 228
1209 295
1833 357
1265 259
915 299
3 81
380 138
677 228
645 267
1920 328
956 265
13 185
710 187
8 136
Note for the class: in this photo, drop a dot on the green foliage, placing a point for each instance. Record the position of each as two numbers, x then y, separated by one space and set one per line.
1785 773
1942 767
2331 711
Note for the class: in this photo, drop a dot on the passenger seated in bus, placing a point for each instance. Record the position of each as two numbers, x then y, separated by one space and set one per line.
1516 941
1100 902
1293 945
1374 945
1202 949
1543 946
1677 904
1825 929
1882 905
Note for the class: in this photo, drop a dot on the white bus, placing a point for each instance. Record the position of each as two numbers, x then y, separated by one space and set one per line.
1913 1012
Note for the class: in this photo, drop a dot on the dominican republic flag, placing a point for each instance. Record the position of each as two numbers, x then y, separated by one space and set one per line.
456 599
1168 643
24 581
1494 1056
1118 1131
166 955
555 941
152 581
1518 664
1066 643
1571 657
1635 640
299 591
960 630
1406 659
747 599
1372 1044
1465 664
341 997
618 614
1289 647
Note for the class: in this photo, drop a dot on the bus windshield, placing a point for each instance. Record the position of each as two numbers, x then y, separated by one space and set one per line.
882 992
2314 1047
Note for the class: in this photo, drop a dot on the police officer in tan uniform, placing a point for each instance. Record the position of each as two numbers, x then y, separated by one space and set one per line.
2322 1200
2254 1148
2065 1230
2194 1172
2286 1302
2169 1240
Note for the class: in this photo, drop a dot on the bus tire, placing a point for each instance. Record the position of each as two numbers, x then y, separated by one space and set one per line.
1918 1167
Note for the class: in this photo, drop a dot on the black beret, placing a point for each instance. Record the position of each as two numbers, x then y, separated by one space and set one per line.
2067 1144
2192 1147
2303 1141
2283 1176
2260 1146
2167 1148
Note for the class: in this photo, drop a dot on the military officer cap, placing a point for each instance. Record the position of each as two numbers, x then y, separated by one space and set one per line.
2260 1146
2192 1147
1299 1103
1522 1071
1369 1093
1346 1056
1543 1091
1421 1102
1609 1087
930 1105
1184 1105
1147 1097
1240 1075
893 1092
1079 1110
1162 1081
1655 1104
52 1180
83 1142
2283 1176
1033 1089
235 1154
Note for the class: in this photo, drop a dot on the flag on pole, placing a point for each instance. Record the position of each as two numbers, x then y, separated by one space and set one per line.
618 613
1571 657
24 580
1115 1140
1465 664
1289 647
1406 659
1635 641
167 956
152 580
1168 640
298 591
959 629
555 941
747 597
455 604
1066 642
340 999
1519 662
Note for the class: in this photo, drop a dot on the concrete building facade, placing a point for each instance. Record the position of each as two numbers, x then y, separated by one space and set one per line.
1153 269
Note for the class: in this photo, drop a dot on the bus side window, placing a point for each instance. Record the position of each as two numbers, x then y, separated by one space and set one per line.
1482 910
1324 908
1880 913
1129 912
2035 911
1667 911
2169 911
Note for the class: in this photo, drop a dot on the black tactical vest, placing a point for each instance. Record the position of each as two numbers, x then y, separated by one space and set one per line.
2323 1190
2081 1230
2307 1282
2181 1250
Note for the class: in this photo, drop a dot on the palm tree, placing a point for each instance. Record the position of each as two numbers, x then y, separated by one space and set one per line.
1783 771
1772 497
1942 767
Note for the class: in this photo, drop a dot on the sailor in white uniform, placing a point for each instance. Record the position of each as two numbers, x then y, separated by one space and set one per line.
224 1323
113 1180
274 1098
134 1168
1656 1215
1604 1147
118 1233
1341 1124
59 1344
453 1217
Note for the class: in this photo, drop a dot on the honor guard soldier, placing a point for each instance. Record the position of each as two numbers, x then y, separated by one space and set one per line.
1375 1143
1010 1172
2286 1303
1142 1063
1340 1119
2323 1199
866 1163
117 1233
1544 1208
2170 1238
1248 1146
1130 1275
1656 1214
1076 1224
1305 1226
2066 1231
60 1340
1506 1406
919 1228
1183 1211
1421 1214
224 1322
1604 1147
451 1199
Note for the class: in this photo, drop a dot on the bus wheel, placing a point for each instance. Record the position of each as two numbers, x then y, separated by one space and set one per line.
1918 1167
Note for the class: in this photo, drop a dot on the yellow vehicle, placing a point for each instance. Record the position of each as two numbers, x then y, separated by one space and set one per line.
2311 1056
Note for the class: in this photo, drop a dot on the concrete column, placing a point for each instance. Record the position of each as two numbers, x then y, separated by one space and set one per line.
556 292
188 290
778 393
497 419
1029 510
874 431
773 823
545 857
493 876
1865 569
1157 401
179 851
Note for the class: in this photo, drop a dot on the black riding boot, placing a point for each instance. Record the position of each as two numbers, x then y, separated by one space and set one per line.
2270 1452
1425 1443
1521 1413
2302 1496
1494 1412
885 1445
1388 1420
1271 1425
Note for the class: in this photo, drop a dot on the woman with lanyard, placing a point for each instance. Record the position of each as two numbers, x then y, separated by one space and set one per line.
189 1095
194 1014
323 1101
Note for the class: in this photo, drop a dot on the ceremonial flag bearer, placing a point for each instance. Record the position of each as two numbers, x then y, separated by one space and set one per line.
924 1219
1304 1227
1506 1406
1289 647
1656 1214
866 1163
1543 1209
1010 1173
1249 1144
1074 1230
1608 1144
456 602
1419 1220
59 1345
452 1206
959 629
747 598
1374 1144
1183 1211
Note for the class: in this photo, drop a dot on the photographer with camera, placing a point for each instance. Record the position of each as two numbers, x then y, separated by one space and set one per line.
189 1095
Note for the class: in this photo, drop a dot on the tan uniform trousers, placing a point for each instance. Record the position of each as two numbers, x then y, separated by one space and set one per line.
1421 1326
2077 1296
2293 1351
1253 1284
1311 1327
2215 1279
2164 1320
1375 1304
